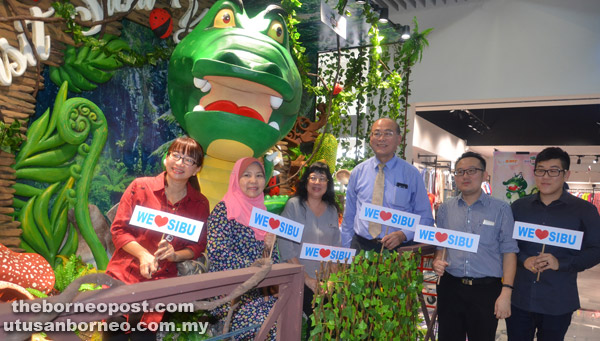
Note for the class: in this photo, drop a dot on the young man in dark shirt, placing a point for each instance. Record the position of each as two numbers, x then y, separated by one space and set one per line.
545 307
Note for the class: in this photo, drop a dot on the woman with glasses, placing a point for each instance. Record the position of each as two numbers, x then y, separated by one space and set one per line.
314 206
143 255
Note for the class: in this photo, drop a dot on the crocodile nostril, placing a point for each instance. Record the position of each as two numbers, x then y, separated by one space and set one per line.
231 58
270 68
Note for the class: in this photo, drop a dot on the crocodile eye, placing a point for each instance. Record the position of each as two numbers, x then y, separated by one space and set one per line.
224 19
276 31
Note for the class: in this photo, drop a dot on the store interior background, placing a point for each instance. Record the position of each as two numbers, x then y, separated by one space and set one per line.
528 69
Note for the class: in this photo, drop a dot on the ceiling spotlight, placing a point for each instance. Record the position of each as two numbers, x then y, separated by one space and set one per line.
383 15
596 159
405 32
578 159
360 2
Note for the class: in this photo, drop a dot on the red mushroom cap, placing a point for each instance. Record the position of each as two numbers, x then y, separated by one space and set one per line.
28 270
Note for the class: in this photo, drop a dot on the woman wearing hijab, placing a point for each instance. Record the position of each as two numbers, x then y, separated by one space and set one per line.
232 244
315 207
144 255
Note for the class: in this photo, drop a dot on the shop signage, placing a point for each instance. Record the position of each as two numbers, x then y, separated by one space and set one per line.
548 235
447 238
276 224
167 223
389 217
324 253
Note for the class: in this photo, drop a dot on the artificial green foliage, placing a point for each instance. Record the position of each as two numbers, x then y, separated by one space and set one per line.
54 169
374 298
327 150
37 293
87 65
71 269
109 183
179 318
10 137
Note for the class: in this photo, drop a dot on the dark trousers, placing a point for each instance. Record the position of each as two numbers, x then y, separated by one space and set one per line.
467 310
360 243
308 309
522 325
134 319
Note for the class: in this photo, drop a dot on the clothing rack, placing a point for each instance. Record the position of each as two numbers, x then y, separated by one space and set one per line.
436 164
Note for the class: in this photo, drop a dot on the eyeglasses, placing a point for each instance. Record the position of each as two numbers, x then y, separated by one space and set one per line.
469 171
554 172
188 161
386 134
316 179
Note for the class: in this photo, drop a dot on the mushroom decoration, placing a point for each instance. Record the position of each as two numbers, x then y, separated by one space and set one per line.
28 270
11 292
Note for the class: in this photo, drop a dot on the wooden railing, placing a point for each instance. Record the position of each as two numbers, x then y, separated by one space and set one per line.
287 311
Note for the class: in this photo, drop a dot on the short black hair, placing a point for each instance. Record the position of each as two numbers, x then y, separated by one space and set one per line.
475 155
551 153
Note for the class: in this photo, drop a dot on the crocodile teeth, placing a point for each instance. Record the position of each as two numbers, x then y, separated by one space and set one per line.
202 84
198 108
276 102
274 125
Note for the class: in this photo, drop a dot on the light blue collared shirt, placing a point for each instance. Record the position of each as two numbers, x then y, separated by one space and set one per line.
404 190
492 220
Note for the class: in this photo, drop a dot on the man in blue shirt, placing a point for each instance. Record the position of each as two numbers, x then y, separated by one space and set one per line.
471 295
546 306
404 190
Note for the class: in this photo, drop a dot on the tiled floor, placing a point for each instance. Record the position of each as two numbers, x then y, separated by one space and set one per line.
585 325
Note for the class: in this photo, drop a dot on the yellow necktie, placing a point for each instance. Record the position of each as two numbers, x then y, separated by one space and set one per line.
375 228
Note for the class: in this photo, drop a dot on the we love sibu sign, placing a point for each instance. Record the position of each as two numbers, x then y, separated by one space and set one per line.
167 223
447 238
324 253
389 217
548 235
276 224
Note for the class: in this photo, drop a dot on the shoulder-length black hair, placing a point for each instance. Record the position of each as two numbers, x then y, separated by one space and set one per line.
188 146
321 168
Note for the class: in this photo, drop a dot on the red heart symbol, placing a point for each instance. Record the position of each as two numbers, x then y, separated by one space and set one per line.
441 236
385 215
160 221
541 234
274 223
324 252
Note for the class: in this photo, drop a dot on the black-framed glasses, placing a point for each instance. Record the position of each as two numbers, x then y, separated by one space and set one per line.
553 172
468 171
188 161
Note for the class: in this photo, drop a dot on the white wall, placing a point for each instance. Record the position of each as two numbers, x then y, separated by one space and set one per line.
492 49
434 140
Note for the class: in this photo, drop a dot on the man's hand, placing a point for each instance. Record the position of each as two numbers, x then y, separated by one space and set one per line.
439 266
393 240
148 265
546 261
529 264
502 306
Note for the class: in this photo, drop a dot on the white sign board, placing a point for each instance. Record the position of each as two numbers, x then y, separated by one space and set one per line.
167 223
548 235
389 217
276 224
447 238
324 253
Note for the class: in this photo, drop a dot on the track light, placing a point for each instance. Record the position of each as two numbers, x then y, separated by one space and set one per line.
383 15
596 159
578 159
405 32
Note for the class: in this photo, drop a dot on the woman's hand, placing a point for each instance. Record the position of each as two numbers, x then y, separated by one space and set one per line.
269 240
148 265
311 283
165 251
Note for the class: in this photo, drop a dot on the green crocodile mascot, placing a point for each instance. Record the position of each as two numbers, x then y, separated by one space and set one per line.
517 185
234 87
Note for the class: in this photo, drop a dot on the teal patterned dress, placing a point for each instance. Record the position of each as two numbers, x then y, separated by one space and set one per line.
231 245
